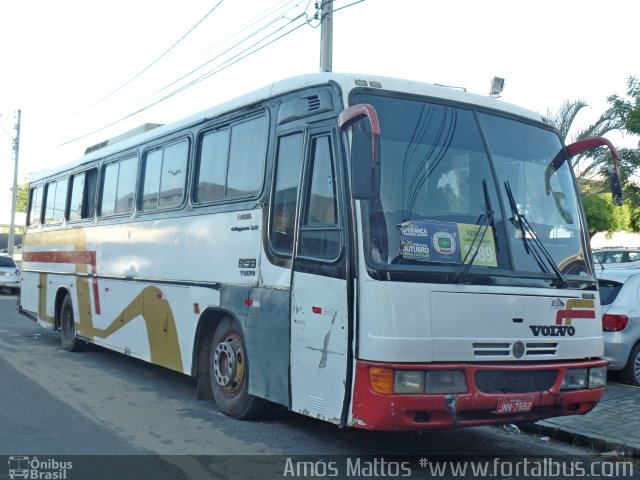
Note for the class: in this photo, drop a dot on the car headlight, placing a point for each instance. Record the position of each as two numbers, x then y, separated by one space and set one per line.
408 381
574 378
597 377
446 381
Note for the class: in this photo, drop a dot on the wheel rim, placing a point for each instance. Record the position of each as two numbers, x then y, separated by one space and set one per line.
636 368
228 364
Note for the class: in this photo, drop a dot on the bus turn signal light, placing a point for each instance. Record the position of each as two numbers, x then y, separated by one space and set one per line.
381 380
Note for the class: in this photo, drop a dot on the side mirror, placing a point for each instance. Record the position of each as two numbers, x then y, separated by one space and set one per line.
616 187
365 150
365 164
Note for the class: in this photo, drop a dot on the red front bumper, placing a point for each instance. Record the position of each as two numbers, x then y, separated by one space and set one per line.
376 411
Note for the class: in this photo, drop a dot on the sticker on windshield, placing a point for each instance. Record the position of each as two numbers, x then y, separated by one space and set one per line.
486 248
447 242
429 241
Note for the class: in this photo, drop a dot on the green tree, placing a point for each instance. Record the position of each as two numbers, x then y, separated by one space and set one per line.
592 168
628 109
588 164
603 216
22 198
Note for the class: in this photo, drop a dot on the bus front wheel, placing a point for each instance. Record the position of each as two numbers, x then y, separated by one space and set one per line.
228 373
68 334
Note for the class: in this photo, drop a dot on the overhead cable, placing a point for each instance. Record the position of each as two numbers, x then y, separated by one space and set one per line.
136 76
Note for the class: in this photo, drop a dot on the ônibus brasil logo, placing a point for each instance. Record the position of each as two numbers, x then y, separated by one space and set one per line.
575 308
36 469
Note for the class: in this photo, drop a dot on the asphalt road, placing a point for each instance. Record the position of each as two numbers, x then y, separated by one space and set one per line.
96 403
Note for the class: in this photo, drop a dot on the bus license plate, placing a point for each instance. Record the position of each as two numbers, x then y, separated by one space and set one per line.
514 405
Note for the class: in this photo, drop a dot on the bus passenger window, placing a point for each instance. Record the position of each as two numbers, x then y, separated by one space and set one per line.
283 214
212 167
231 162
34 207
56 197
165 174
118 187
82 202
246 157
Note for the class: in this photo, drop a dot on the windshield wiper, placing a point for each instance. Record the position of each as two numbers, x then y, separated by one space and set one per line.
537 249
484 221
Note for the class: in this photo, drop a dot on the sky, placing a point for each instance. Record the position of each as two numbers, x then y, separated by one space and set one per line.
79 70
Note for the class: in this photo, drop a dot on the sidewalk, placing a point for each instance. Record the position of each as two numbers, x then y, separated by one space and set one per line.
613 425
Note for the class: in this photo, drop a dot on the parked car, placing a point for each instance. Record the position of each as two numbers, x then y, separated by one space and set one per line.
620 299
617 257
9 274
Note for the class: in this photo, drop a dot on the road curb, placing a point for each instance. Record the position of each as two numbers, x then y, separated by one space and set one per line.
580 439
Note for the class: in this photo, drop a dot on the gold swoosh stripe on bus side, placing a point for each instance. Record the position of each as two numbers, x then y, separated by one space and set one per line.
160 324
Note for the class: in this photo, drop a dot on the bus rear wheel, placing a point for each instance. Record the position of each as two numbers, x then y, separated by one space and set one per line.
68 334
228 373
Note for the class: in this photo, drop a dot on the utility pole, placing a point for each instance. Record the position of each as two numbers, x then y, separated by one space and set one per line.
16 153
326 36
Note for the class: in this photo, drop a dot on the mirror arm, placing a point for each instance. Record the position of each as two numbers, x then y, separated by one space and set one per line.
589 143
354 112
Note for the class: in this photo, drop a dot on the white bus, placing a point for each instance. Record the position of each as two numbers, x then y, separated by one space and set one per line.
373 252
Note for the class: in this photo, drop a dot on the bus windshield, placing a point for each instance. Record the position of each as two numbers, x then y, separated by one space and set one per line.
443 204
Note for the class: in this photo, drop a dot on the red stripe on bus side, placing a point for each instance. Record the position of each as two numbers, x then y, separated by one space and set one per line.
77 257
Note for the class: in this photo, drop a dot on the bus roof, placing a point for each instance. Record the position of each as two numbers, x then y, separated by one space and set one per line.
346 81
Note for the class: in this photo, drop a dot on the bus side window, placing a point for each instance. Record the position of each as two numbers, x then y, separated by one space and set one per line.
34 207
82 201
118 187
285 192
231 160
55 201
247 149
212 167
165 174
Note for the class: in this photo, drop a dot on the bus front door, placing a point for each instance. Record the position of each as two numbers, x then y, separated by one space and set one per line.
319 307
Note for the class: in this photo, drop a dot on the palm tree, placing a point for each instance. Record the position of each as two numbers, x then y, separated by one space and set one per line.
589 164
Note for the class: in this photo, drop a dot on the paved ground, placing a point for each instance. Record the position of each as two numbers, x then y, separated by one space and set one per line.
613 425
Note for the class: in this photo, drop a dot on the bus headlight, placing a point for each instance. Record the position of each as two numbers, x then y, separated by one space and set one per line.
574 378
445 382
597 377
408 381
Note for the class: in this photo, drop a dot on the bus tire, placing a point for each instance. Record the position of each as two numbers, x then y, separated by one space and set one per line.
68 334
228 373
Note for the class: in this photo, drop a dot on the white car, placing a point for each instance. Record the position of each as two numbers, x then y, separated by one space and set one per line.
9 274
620 299
616 257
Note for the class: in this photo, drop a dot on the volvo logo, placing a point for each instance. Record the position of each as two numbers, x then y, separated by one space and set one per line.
553 330
518 349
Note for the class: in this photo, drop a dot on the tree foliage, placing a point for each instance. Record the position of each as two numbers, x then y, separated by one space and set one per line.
628 109
592 168
602 215
22 199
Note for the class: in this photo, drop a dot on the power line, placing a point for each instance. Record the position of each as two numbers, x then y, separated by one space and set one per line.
242 28
132 79
183 77
256 20
226 64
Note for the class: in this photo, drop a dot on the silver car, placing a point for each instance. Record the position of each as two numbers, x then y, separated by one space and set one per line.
620 299
9 274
